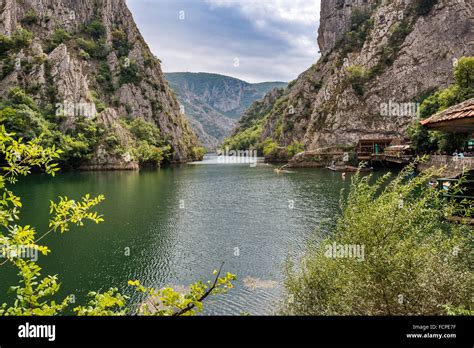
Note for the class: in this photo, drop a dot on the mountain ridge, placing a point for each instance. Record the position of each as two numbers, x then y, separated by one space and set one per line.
213 101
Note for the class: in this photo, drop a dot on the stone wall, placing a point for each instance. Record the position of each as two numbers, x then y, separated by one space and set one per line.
454 165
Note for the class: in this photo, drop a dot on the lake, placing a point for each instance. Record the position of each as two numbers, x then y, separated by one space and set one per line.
181 223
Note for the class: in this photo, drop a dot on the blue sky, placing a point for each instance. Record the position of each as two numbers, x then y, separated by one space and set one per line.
254 40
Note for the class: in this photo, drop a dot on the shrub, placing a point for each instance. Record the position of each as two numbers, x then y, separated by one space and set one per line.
21 38
30 18
357 77
464 73
199 152
120 43
58 37
95 29
360 26
104 77
129 73
6 44
269 146
8 67
413 261
95 49
294 149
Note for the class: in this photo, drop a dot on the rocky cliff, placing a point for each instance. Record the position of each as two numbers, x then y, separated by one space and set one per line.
90 52
213 102
379 59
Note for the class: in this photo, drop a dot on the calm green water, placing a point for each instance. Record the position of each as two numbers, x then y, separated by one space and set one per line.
180 224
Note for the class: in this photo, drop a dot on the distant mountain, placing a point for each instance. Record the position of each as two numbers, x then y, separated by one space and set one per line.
215 102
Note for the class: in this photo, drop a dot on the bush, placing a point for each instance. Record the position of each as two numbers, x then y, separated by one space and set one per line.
199 152
150 147
58 37
360 26
294 149
95 29
120 43
98 50
464 73
6 44
8 67
30 18
21 38
357 77
104 78
409 259
129 73
248 139
269 146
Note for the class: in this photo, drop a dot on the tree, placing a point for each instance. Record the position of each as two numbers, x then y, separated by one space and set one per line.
33 292
426 141
391 251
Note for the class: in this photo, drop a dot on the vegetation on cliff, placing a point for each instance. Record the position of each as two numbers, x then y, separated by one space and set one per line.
20 114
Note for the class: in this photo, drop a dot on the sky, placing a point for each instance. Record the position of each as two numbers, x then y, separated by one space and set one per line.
253 40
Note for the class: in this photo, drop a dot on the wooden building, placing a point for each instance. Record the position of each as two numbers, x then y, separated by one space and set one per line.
456 119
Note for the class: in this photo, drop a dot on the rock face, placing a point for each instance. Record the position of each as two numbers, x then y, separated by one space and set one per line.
378 59
117 71
213 102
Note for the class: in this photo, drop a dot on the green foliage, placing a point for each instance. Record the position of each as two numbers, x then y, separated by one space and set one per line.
248 139
58 37
269 146
168 302
95 49
357 77
360 27
20 114
120 43
129 73
413 261
199 152
464 73
6 45
95 29
151 148
8 67
104 77
21 38
34 294
389 51
294 149
425 141
30 18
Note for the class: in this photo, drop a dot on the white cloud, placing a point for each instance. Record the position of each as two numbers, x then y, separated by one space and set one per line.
299 11
289 20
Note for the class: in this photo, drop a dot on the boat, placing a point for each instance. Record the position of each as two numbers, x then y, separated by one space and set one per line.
350 169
